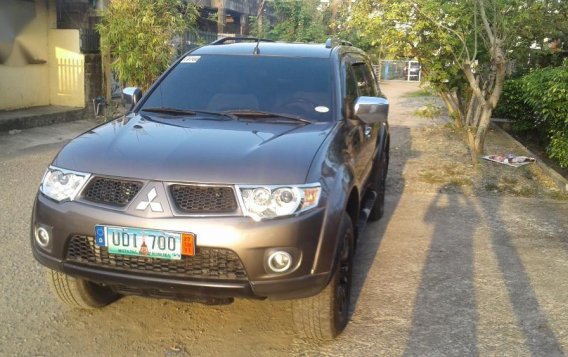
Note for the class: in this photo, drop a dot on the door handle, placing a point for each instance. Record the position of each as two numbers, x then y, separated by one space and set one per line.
368 131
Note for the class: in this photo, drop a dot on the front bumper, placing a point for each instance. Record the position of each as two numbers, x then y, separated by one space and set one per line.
309 236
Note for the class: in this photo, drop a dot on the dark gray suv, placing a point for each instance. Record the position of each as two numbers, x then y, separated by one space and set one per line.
247 170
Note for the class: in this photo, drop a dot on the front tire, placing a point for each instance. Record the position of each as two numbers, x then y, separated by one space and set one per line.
325 315
78 293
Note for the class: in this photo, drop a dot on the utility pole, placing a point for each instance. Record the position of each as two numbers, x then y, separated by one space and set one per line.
221 16
106 62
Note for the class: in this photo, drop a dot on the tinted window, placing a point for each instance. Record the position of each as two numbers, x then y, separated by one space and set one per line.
351 83
365 79
351 92
372 79
298 86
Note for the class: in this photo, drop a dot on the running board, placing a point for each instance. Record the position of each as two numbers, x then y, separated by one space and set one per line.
368 202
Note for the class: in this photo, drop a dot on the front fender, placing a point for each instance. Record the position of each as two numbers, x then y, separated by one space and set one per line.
333 168
337 191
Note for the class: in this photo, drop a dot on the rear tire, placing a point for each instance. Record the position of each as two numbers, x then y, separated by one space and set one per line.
78 293
380 186
325 315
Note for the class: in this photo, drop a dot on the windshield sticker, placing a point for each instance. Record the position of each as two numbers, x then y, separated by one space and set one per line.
321 109
190 59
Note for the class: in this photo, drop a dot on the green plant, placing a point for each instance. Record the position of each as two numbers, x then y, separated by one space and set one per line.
464 47
424 92
139 36
297 21
558 148
513 106
539 102
547 94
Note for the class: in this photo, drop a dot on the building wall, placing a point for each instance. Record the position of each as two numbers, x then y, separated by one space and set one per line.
66 69
39 65
23 70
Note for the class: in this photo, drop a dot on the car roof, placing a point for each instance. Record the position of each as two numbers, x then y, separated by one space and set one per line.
267 49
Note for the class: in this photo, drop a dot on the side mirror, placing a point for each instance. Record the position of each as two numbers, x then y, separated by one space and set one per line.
131 96
371 110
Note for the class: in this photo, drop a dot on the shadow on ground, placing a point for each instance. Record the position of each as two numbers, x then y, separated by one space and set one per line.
368 244
445 316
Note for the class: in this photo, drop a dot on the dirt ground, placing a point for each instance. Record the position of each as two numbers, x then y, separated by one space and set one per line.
466 261
439 160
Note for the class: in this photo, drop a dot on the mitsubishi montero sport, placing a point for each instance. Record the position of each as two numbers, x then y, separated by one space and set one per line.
247 170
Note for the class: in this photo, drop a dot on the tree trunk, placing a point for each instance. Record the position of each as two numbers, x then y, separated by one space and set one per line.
453 108
470 137
259 19
482 129
481 107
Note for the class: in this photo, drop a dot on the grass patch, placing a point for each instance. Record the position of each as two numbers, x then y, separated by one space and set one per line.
509 180
557 195
525 191
510 185
452 170
429 111
461 181
449 175
432 177
424 92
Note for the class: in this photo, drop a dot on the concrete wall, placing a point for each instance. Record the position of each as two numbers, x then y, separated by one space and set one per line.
24 73
66 69
39 65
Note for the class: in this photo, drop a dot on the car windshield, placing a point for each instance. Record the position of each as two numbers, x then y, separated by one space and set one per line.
293 86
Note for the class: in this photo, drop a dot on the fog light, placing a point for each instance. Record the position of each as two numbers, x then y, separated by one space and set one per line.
42 237
279 261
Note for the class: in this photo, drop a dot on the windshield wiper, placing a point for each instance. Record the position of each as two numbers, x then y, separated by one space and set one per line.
175 111
261 114
171 111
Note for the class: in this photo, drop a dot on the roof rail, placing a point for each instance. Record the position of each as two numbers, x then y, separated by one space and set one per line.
330 42
223 40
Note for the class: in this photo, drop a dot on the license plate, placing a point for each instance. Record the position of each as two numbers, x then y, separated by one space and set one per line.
145 242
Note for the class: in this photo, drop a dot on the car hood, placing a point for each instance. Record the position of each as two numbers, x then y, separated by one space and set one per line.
197 150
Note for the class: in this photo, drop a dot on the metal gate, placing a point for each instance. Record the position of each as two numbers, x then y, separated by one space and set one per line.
398 70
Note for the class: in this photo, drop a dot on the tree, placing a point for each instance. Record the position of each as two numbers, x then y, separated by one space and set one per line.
139 35
297 21
465 47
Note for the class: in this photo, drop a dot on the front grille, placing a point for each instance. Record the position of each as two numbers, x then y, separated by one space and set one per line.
111 191
208 263
204 199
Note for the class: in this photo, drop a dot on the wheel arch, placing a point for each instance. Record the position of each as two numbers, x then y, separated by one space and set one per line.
353 207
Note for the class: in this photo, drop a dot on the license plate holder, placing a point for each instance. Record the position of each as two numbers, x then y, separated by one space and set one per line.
152 243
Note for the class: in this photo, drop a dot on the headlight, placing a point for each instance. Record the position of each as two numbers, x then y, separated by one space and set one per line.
263 202
60 184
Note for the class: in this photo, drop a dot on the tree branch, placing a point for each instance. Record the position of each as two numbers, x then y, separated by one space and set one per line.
499 81
460 37
473 82
486 24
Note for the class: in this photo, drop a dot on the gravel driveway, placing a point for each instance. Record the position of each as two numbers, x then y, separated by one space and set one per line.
441 274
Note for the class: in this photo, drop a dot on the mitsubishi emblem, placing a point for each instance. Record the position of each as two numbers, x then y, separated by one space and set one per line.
154 206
